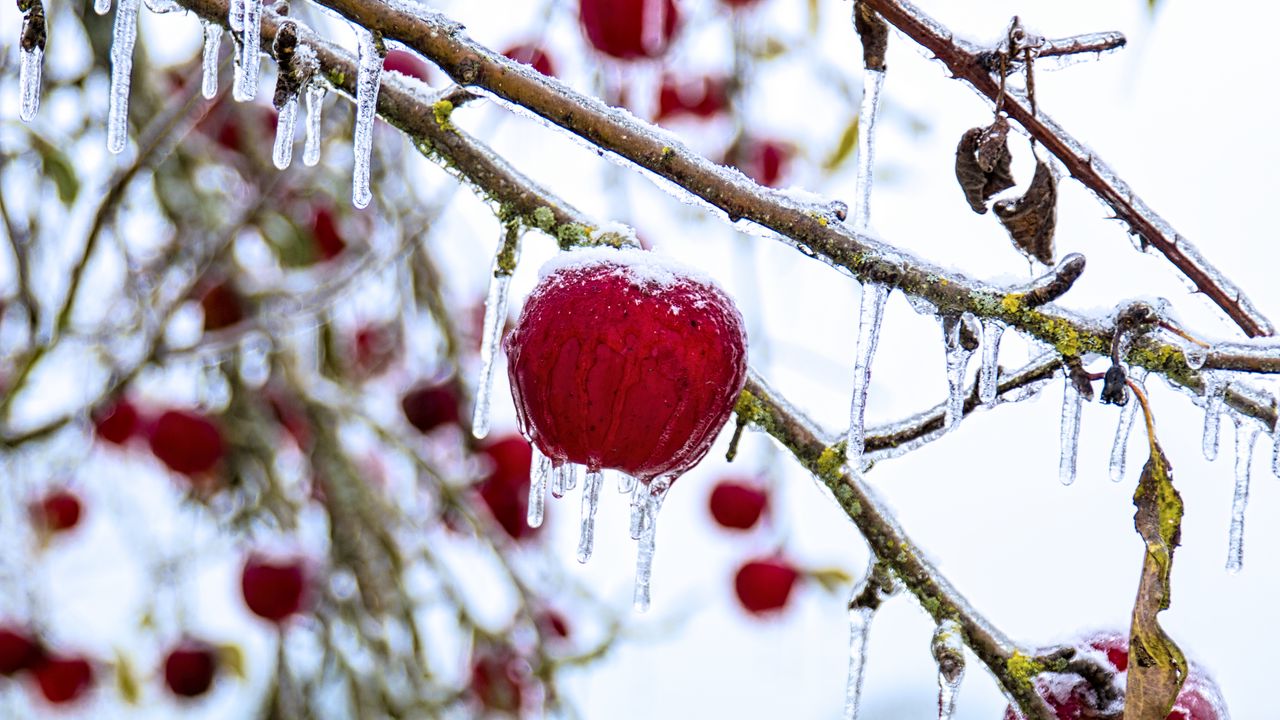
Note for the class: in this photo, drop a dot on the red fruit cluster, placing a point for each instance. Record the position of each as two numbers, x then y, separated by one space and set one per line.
764 586
621 362
738 505
430 406
629 29
274 590
61 679
505 490
531 54
187 442
58 511
1072 698
190 668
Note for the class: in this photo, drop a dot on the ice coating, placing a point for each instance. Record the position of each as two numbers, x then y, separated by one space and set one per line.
988 373
590 501
124 36
642 266
495 318
957 362
315 103
1246 435
652 496
564 477
209 58
621 362
1124 426
102 7
1069 440
870 317
29 65
872 83
948 653
539 473
282 150
859 624
1213 389
368 75
246 75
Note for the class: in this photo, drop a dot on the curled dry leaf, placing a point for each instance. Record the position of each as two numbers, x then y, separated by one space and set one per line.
1032 218
983 163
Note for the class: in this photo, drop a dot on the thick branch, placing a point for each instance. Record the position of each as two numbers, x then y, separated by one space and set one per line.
965 62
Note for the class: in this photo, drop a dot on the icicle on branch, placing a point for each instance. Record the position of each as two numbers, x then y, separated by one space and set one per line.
1246 435
495 318
124 36
871 316
209 58
864 600
31 44
369 73
247 66
298 64
948 652
875 37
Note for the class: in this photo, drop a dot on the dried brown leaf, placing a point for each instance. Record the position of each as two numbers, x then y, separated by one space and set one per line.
1032 218
1157 667
983 164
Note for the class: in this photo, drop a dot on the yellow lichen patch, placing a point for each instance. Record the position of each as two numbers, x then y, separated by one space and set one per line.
441 110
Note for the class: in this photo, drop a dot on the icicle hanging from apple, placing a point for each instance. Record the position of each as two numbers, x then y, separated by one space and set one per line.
626 361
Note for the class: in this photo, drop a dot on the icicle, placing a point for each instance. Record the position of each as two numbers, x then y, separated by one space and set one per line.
124 35
29 80
948 652
626 483
1275 456
1125 424
315 101
539 470
859 623
653 493
1072 402
1246 434
988 374
563 479
246 76
495 318
102 7
870 316
282 151
1213 388
367 78
590 501
953 330
872 82
209 61
638 495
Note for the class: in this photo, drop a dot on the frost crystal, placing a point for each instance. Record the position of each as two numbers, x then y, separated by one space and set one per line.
124 35
859 623
948 652
29 81
1072 401
235 18
246 76
650 502
1124 425
873 81
368 76
870 316
315 102
957 362
590 501
495 317
539 471
282 151
1213 389
988 374
209 60
1246 434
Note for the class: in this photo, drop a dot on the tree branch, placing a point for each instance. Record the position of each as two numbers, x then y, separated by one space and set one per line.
965 61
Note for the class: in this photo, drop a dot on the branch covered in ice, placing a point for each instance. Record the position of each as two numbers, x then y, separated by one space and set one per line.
968 62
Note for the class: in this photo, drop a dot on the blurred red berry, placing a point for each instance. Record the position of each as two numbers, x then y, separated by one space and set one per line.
704 98
56 512
189 668
623 361
292 419
376 347
326 234
765 161
764 586
498 681
629 29
116 422
1071 697
186 442
407 63
222 307
739 4
531 54
273 590
427 407
738 505
552 624
19 649
63 679
505 490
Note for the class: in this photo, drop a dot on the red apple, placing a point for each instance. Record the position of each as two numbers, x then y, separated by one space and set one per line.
325 233
621 360
63 679
273 589
58 511
116 422
738 505
505 490
629 29
427 406
190 667
703 97
187 442
19 649
764 586
765 161
531 54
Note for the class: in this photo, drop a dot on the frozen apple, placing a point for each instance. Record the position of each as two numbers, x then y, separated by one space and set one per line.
63 679
738 505
428 406
57 511
764 586
273 589
629 29
187 442
190 667
116 422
